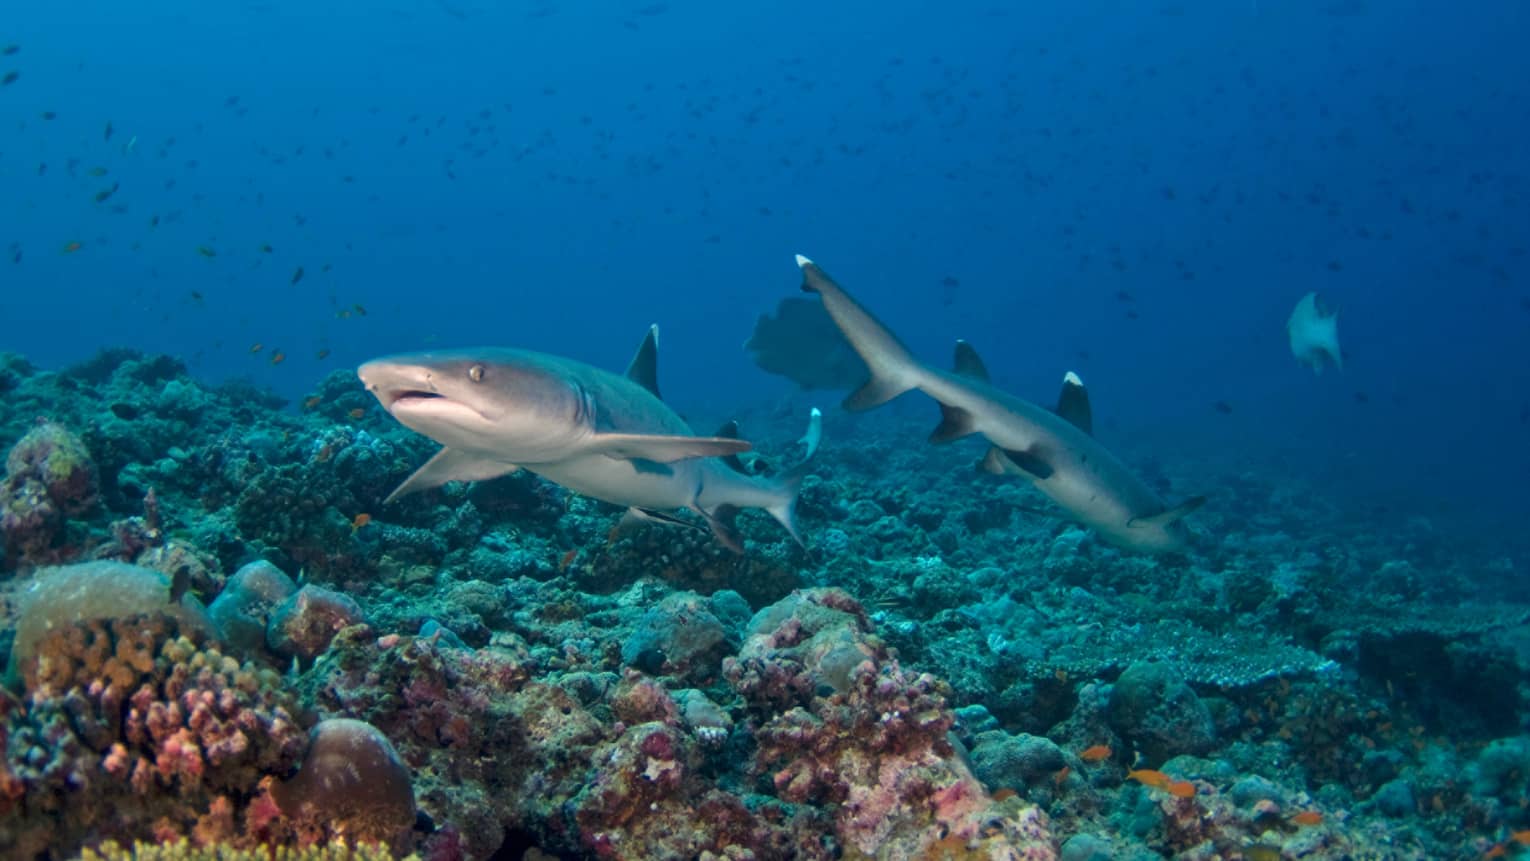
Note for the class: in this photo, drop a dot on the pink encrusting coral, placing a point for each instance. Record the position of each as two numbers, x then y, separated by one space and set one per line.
870 742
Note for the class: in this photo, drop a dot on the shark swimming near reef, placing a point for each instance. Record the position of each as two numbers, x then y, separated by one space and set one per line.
1055 451
601 434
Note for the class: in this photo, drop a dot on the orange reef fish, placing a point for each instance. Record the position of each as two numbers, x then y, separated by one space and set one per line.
71 247
1181 789
1307 817
359 521
1095 753
278 357
1149 777
357 413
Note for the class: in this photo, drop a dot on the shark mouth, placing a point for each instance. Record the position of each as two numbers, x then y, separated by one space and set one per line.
412 396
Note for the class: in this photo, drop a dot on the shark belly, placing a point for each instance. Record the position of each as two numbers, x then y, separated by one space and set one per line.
633 483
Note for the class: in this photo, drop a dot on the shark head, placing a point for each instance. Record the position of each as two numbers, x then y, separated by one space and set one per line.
516 405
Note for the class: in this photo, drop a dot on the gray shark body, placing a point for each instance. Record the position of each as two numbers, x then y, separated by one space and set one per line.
600 434
1056 451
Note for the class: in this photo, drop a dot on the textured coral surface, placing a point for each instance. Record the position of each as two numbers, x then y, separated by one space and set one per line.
943 673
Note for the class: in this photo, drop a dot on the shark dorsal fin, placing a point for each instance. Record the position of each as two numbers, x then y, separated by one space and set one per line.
729 430
968 364
1073 403
1168 515
644 367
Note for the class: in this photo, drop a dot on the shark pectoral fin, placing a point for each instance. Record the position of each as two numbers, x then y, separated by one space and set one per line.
721 521
1025 464
1073 403
1168 515
955 423
644 367
968 363
993 462
664 449
450 465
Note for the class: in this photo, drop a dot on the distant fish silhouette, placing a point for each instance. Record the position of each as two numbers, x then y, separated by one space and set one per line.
1314 332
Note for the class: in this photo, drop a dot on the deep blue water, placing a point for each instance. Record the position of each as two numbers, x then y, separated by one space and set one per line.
1136 190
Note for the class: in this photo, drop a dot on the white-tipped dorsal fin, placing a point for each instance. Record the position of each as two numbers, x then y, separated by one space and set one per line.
802 260
1073 403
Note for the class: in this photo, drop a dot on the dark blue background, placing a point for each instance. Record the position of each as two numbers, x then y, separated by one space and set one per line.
617 164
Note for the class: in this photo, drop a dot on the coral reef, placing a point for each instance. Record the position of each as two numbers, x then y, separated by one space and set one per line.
182 850
351 783
945 674
131 729
870 740
49 478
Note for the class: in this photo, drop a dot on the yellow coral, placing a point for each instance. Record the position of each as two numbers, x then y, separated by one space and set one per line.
182 850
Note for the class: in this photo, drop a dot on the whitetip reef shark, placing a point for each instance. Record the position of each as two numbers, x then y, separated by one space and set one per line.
604 435
1056 451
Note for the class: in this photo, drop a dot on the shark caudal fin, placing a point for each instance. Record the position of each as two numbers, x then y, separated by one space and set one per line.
784 510
789 484
1314 332
893 369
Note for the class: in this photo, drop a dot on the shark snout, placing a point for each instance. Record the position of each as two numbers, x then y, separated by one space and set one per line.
391 382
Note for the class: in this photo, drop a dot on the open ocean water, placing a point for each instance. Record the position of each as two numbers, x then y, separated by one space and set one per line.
1253 586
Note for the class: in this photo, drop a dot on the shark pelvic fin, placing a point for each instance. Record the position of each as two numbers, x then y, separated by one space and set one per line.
647 515
1168 515
721 521
955 423
968 363
876 392
450 465
1073 403
1025 464
664 449
644 367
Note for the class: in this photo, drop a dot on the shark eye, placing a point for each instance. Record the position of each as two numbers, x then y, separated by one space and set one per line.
475 373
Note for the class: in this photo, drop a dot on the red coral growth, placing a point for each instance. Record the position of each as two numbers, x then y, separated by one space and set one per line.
872 744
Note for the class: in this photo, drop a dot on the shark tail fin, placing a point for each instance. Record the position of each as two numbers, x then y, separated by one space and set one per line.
789 484
784 509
